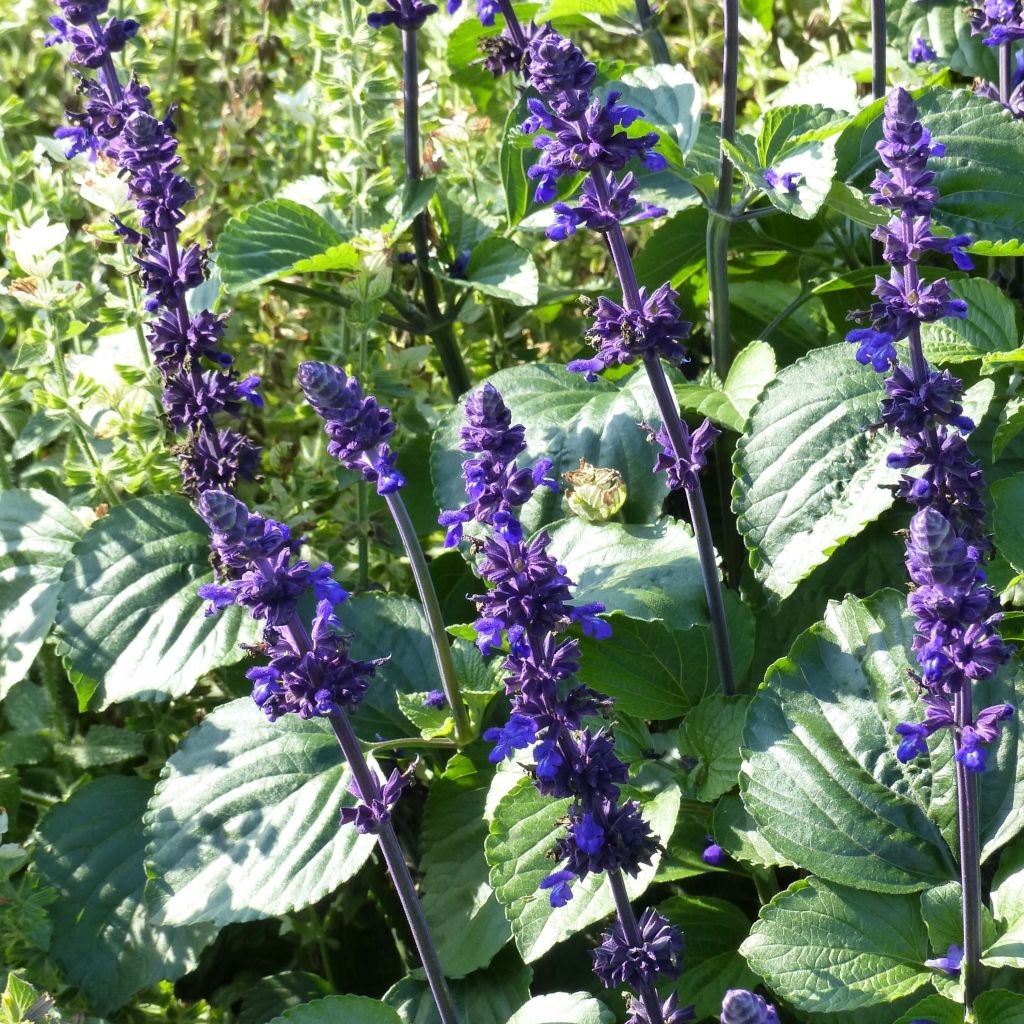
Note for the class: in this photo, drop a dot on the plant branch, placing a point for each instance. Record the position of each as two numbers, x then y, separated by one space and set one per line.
878 34
656 44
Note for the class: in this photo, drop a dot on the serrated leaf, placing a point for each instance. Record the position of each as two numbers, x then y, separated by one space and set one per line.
566 419
713 930
1007 520
645 572
999 1007
808 474
736 832
936 1009
505 270
130 617
1011 423
271 996
874 946
654 672
713 733
820 762
563 1008
991 325
524 828
336 1009
244 820
278 237
37 534
670 99
465 918
92 851
1008 908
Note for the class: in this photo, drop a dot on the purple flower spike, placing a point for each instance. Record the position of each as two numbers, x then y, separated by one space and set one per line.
743 1007
683 470
617 961
671 1011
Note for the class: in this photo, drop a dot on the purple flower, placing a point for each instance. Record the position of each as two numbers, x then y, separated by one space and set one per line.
920 51
683 469
559 885
785 182
370 816
1003 20
404 14
617 961
742 1007
713 854
518 732
435 700
671 1011
950 963
597 214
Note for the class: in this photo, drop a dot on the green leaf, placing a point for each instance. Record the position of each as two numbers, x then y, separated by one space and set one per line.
563 1008
999 1007
821 778
1008 908
244 820
670 99
505 270
736 832
808 475
730 404
129 614
827 947
525 827
465 918
278 237
104 744
675 250
514 157
653 672
566 419
37 533
936 1009
552 9
991 325
271 996
338 1009
946 26
713 733
713 930
483 997
1007 521
92 851
646 572
1011 423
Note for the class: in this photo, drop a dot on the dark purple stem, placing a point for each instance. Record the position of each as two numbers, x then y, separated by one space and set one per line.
1005 53
369 787
878 41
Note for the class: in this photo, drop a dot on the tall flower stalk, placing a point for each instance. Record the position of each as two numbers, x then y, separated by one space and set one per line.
339 401
117 120
878 44
956 641
528 612
409 17
310 672
576 132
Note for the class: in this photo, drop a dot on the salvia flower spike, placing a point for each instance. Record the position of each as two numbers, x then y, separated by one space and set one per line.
529 608
358 430
956 641
578 131
310 673
117 120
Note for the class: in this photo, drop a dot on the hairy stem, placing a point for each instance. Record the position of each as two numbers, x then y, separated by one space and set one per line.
442 334
631 929
435 620
656 44
877 49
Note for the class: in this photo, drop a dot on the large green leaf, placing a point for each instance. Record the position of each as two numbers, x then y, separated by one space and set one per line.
946 26
129 616
37 533
1008 521
991 325
392 627
525 828
713 930
646 572
936 1009
808 475
92 851
675 250
271 996
340 1010
1000 1007
483 997
278 237
821 778
563 1008
670 99
1008 908
566 420
827 947
466 920
244 821
653 672
505 270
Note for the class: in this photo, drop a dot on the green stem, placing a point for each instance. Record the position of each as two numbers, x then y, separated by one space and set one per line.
412 742
6 480
656 44
172 69
435 620
140 334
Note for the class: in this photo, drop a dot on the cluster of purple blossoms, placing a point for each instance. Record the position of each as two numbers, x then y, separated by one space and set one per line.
309 672
743 1007
1015 101
357 426
921 51
117 121
956 641
1002 20
408 15
528 607
495 483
